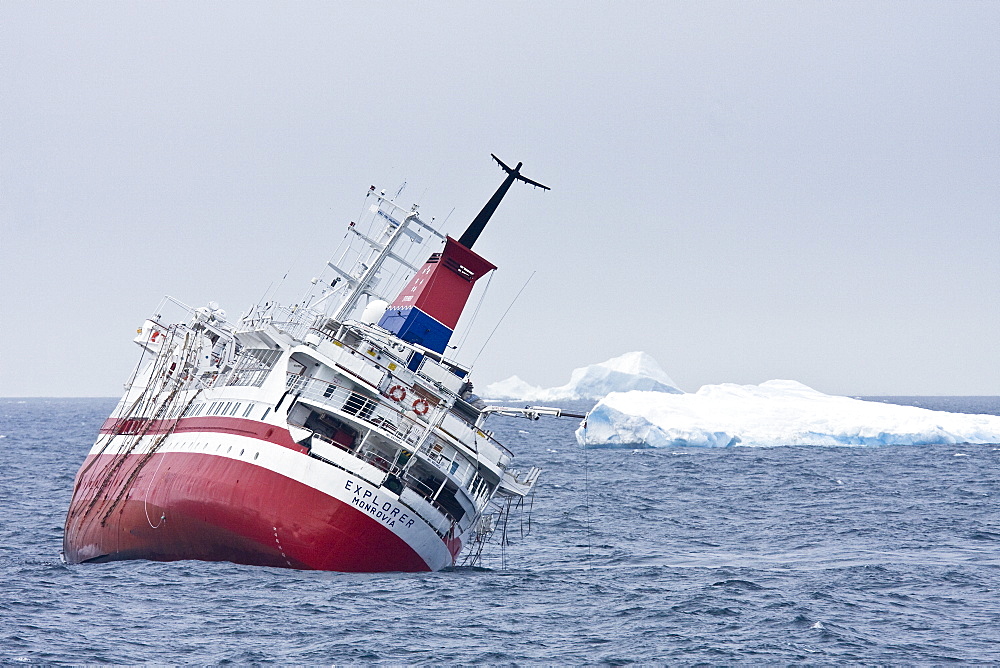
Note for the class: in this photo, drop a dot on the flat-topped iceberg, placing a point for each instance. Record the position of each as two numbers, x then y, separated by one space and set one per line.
631 371
778 412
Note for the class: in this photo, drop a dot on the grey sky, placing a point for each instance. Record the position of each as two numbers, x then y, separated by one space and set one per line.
745 190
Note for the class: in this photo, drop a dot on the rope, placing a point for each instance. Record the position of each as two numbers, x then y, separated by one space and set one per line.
475 313
145 408
586 502
513 301
127 485
139 409
145 499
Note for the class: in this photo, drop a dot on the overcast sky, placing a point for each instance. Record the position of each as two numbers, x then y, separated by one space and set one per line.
744 190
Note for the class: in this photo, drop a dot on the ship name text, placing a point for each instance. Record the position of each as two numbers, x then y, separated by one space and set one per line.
385 511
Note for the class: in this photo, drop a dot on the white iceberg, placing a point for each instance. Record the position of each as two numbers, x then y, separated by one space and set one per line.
512 388
631 371
778 412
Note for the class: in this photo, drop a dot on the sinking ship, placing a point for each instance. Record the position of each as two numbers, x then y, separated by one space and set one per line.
331 434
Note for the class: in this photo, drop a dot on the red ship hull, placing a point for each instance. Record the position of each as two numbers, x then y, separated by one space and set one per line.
190 505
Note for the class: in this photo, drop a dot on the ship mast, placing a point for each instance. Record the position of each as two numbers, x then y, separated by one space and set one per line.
462 260
479 223
364 283
427 310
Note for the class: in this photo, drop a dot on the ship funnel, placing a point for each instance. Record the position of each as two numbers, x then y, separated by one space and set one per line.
428 308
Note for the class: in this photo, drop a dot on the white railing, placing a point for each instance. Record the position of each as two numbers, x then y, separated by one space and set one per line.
336 454
294 321
391 421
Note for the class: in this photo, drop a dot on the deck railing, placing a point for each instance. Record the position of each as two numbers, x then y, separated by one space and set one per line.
391 421
408 480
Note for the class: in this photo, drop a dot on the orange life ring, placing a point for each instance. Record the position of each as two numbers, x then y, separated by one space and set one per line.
420 406
152 339
397 392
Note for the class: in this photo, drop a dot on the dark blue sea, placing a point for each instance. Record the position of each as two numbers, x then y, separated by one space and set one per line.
779 555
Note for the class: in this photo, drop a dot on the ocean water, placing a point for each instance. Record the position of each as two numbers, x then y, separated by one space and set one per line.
778 555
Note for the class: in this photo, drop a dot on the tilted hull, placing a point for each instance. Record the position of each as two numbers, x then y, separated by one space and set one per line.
238 499
306 436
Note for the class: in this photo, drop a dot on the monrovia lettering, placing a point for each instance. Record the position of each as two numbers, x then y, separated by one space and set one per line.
384 511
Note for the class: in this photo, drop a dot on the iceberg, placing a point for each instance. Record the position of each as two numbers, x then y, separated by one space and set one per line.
778 412
631 371
513 388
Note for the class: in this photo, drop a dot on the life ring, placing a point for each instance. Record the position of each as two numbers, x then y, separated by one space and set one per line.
152 339
420 406
397 392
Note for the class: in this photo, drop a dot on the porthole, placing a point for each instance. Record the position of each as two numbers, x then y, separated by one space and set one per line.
241 451
229 449
255 455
